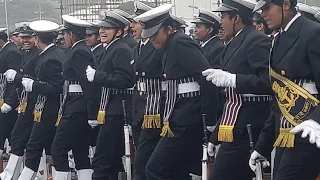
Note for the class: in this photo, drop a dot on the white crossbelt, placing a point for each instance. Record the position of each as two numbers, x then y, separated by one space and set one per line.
75 88
188 87
310 87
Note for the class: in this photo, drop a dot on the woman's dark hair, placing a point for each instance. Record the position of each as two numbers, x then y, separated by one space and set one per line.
167 22
47 38
245 20
215 29
78 35
4 37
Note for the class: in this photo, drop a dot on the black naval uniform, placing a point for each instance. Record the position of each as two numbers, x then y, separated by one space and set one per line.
148 97
73 131
295 55
130 41
23 127
48 86
114 75
213 102
247 57
179 150
10 58
97 52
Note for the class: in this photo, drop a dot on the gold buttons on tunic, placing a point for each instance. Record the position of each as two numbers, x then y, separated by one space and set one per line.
143 74
165 75
283 73
137 73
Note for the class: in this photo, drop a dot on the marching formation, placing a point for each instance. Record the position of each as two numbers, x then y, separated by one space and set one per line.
132 97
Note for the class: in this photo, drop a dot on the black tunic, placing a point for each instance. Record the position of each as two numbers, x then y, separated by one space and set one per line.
114 71
10 58
297 55
183 58
49 80
130 41
74 69
213 102
147 65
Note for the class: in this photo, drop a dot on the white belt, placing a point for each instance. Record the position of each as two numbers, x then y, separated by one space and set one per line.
75 88
143 88
310 87
188 87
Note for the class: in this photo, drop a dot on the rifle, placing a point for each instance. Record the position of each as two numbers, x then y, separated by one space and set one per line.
206 161
259 170
126 142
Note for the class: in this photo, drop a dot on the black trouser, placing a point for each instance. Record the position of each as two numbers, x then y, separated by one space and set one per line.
7 121
107 161
21 132
232 161
136 131
73 133
41 138
175 157
298 163
149 139
94 136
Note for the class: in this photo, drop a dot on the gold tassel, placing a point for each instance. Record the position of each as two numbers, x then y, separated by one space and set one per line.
285 138
37 116
166 131
151 122
22 106
225 133
1 102
58 119
101 117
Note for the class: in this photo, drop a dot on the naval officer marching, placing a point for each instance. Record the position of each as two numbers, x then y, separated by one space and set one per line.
180 147
294 69
23 126
47 84
114 76
79 105
244 77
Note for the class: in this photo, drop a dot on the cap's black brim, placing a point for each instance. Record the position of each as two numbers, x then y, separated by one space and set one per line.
223 8
147 33
89 32
106 24
199 21
260 4
25 35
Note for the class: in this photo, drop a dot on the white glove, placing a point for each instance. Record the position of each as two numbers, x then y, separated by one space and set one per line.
90 72
220 78
255 156
10 74
309 128
5 108
93 123
27 83
211 149
211 128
